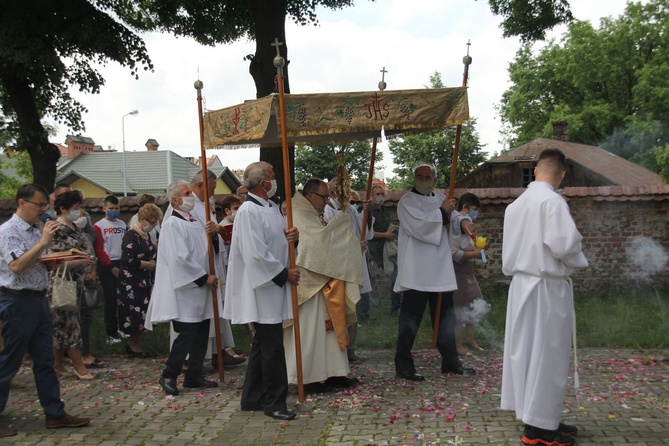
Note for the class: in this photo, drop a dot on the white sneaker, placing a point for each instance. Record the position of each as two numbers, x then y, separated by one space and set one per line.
111 340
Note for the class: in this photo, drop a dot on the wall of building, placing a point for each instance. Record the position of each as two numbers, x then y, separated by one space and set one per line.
89 190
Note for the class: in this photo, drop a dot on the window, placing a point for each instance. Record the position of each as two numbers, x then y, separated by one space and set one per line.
528 175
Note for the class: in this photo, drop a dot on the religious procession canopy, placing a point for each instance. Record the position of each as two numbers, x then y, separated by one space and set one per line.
312 118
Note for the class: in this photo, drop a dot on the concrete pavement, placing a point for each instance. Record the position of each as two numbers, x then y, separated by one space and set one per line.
624 399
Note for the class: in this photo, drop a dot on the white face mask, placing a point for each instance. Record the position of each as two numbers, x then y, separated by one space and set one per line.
188 204
212 203
424 187
81 222
74 215
272 191
231 216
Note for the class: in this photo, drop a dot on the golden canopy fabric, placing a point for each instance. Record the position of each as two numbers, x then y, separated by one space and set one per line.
335 116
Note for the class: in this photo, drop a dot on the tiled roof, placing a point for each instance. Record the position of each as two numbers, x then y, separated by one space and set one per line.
82 139
145 171
649 192
616 169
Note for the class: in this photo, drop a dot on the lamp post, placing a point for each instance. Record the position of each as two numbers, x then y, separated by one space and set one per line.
125 181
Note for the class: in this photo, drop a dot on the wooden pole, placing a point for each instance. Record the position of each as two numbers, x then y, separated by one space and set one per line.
279 63
467 60
210 243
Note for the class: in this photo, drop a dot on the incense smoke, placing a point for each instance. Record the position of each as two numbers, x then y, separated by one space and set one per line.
647 257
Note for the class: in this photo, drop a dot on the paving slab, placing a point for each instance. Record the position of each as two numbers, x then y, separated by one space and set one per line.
623 400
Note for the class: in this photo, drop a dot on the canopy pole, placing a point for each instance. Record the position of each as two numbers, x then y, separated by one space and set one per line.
279 63
210 245
467 60
370 176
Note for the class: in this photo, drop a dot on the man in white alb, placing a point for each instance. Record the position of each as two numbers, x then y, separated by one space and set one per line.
182 292
425 269
540 248
258 291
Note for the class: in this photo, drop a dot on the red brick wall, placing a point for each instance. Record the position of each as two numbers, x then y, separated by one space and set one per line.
607 228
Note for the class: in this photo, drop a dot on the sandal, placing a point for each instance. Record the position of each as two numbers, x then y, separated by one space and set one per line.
96 364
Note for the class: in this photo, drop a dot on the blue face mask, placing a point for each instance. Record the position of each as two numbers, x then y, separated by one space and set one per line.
473 213
112 215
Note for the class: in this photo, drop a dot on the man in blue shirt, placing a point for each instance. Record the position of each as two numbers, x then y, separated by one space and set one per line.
24 308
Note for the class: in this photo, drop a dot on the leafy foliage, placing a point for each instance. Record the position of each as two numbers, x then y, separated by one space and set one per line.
611 84
436 147
320 161
529 20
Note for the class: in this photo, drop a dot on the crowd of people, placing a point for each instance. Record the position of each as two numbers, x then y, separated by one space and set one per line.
164 267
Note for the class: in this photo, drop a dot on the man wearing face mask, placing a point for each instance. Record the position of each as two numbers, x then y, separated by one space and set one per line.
182 292
213 229
109 233
382 234
428 271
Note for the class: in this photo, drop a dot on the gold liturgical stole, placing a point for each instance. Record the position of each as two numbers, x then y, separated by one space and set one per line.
334 292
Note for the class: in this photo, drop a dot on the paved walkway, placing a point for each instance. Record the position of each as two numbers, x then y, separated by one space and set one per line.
624 400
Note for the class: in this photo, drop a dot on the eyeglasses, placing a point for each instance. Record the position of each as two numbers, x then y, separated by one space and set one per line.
44 206
324 197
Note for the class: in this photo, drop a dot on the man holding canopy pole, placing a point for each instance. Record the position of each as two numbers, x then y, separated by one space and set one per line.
259 290
425 269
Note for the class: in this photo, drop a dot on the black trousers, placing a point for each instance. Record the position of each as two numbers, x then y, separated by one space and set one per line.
266 382
191 342
110 306
411 314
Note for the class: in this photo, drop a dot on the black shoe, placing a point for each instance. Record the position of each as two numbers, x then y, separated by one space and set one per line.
169 385
283 415
200 383
536 436
317 388
459 370
341 381
410 376
567 430
251 408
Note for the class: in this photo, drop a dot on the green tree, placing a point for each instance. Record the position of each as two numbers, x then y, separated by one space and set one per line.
611 84
436 147
321 161
46 47
19 163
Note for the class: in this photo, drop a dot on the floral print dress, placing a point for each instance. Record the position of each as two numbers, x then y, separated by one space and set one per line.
134 284
66 328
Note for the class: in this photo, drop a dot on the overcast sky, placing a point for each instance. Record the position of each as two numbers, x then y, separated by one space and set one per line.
411 39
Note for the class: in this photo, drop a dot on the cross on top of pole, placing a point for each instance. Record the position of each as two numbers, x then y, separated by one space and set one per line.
279 62
382 84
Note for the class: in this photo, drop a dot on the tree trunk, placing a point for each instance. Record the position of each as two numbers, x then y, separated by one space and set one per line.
33 137
270 23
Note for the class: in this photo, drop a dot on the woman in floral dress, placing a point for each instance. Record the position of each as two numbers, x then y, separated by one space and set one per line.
66 329
135 278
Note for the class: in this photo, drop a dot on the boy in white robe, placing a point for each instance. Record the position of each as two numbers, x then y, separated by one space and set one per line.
540 248
259 282
182 292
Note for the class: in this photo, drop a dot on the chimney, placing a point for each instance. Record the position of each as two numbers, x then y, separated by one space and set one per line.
560 130
151 145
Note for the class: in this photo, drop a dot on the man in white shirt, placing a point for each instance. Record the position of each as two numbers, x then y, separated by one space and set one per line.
540 248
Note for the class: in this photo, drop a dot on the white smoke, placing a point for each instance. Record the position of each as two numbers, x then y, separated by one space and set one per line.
473 314
647 256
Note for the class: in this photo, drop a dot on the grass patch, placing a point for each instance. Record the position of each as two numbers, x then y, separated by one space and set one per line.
610 318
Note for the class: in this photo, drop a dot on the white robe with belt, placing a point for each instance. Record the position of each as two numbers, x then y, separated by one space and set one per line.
540 248
258 253
182 259
424 260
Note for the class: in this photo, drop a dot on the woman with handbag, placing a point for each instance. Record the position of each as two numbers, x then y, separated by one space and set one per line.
69 278
135 277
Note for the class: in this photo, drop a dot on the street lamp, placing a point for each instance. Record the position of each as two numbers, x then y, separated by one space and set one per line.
125 181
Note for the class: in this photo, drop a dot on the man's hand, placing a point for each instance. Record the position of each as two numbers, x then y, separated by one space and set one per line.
292 234
49 229
390 235
212 228
448 205
212 281
367 205
363 245
115 271
294 275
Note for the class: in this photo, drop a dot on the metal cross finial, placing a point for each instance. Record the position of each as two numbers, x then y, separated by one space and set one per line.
277 44
469 42
382 84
